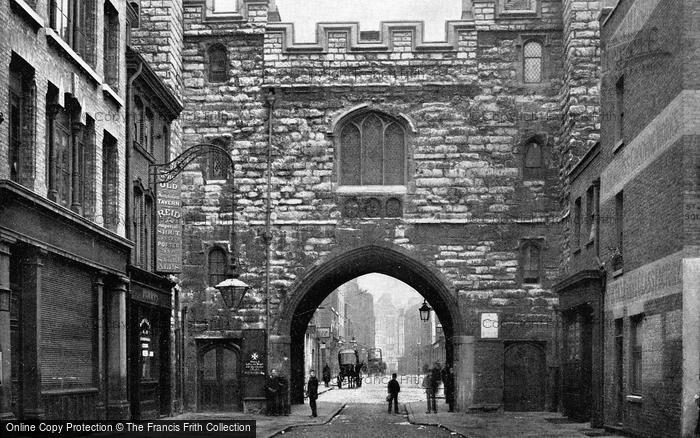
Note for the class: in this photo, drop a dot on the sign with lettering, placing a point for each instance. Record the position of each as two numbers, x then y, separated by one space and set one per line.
324 332
254 364
149 296
169 227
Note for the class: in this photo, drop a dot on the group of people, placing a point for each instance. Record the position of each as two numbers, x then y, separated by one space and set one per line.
431 383
276 394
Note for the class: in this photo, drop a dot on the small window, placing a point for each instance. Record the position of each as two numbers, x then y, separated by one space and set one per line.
530 263
217 164
21 121
217 266
109 182
218 63
533 155
591 214
532 62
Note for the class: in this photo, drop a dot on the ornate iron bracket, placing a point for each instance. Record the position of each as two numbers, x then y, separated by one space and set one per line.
166 172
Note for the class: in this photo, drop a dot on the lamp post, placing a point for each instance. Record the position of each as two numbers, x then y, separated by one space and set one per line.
232 289
424 311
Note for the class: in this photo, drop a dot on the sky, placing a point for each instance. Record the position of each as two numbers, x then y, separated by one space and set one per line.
402 295
306 13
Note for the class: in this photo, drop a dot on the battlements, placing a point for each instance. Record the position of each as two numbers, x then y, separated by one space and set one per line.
400 36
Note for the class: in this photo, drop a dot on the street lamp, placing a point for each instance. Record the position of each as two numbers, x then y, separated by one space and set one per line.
424 311
232 290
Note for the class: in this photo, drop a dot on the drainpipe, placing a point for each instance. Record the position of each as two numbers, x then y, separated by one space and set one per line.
129 146
268 210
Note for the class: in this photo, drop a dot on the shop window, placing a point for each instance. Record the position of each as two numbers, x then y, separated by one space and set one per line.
74 21
111 45
372 151
532 62
218 63
636 354
530 262
217 266
109 182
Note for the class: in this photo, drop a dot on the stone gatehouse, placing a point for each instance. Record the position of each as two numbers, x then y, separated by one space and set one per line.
437 163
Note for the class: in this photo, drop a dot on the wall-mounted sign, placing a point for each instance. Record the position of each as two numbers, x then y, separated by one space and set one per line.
323 332
489 325
254 364
169 227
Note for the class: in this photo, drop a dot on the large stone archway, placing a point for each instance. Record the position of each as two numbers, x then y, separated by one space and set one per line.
320 279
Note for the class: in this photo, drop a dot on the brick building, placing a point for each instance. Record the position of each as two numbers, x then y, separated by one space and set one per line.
464 208
83 289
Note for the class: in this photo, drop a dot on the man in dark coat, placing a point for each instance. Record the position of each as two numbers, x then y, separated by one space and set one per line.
312 392
448 379
282 401
326 374
394 388
271 390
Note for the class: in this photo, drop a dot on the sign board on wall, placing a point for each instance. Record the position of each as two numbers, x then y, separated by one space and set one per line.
489 325
169 227
324 332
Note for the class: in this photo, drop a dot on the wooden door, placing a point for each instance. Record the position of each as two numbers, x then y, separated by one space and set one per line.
524 385
219 388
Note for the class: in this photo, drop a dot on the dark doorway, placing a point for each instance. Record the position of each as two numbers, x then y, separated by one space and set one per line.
525 377
577 362
218 377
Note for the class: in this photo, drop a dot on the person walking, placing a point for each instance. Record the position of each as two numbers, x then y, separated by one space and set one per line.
312 392
394 388
448 379
429 393
326 374
271 389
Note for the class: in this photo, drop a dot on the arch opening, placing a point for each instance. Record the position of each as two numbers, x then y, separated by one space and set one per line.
322 279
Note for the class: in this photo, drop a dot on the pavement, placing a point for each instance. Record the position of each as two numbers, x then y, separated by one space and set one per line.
271 426
503 424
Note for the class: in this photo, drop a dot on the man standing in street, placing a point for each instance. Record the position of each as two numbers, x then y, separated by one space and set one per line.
394 388
429 393
282 402
271 389
326 374
312 392
448 379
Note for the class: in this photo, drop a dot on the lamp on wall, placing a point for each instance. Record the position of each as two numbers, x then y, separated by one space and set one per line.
424 311
232 291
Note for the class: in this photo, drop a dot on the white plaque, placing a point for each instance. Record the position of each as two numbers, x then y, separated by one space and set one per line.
489 325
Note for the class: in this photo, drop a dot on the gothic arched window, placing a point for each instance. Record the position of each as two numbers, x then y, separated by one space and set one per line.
217 266
217 164
532 62
372 151
218 63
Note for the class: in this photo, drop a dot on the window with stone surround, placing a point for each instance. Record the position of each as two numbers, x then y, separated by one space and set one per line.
218 63
617 261
216 165
533 155
620 110
74 21
576 229
71 157
530 262
111 46
591 213
372 151
532 62
109 182
636 342
216 266
21 121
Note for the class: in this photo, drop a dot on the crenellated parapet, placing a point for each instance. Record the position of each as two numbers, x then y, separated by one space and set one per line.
202 19
393 36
